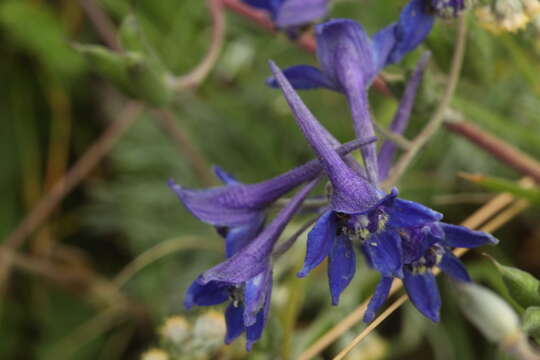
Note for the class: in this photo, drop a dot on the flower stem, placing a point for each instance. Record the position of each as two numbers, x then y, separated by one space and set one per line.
438 117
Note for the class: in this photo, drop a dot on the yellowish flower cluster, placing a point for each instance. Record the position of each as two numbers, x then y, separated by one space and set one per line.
508 15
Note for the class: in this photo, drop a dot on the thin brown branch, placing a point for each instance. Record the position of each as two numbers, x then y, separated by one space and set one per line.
102 23
50 201
195 157
197 75
400 140
500 149
438 117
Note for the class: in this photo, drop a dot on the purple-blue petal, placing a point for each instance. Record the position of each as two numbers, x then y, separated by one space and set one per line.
384 253
224 176
424 293
319 242
254 332
378 299
462 237
352 194
237 237
406 214
384 41
239 204
345 52
341 266
304 77
234 322
300 12
255 292
414 25
453 267
254 258
212 293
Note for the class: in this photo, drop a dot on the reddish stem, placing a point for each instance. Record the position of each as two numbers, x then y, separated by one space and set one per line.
500 149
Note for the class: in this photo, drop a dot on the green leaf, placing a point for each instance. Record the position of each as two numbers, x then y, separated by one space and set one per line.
38 31
531 322
522 286
131 72
503 185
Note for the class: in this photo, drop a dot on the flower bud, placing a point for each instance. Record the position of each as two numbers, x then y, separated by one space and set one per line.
488 312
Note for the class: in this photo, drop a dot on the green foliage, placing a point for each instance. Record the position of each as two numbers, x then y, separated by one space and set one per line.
42 37
124 208
522 286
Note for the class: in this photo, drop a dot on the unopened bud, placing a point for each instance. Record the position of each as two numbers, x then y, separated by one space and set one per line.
488 312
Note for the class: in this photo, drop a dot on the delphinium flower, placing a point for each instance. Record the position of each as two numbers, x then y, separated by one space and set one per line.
245 278
398 238
425 248
238 206
360 214
291 14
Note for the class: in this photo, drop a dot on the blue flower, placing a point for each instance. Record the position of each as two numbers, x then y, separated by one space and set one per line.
360 214
349 61
237 204
292 13
245 278
424 249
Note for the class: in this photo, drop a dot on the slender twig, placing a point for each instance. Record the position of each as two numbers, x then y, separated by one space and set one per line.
197 75
437 119
477 219
155 253
40 213
197 161
102 23
386 313
493 225
286 245
397 139
500 149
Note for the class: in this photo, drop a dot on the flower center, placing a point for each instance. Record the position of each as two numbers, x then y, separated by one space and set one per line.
431 258
236 295
359 227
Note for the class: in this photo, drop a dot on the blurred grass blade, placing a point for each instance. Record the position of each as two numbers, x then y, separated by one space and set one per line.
503 185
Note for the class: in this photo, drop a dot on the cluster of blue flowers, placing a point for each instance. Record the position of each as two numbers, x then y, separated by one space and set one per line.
398 238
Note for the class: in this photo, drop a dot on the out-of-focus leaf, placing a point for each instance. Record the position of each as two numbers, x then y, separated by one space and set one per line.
522 286
131 72
35 29
531 321
502 185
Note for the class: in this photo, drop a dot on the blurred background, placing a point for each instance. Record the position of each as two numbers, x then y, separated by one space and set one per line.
104 276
